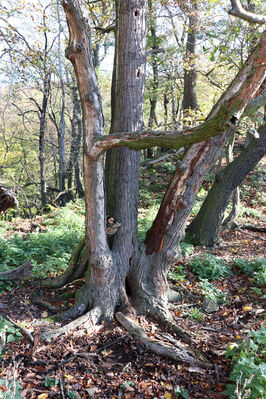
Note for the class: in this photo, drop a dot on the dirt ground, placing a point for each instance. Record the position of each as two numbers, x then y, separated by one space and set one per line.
109 363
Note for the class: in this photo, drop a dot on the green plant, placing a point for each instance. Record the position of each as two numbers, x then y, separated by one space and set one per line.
256 269
209 267
48 251
187 249
146 217
6 285
177 273
12 333
50 382
194 314
9 389
249 361
178 391
71 395
212 292
250 212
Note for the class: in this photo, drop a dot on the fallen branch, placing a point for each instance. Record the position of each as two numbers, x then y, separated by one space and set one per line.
20 272
175 350
251 234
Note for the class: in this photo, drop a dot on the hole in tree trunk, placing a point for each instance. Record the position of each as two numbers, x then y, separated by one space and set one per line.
128 290
136 13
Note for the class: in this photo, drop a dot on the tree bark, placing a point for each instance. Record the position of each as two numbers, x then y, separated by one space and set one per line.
73 167
122 174
205 233
61 137
190 77
101 271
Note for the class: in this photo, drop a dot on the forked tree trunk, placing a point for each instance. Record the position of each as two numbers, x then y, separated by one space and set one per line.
146 265
217 200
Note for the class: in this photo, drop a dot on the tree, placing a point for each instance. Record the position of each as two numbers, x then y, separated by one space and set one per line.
202 231
122 270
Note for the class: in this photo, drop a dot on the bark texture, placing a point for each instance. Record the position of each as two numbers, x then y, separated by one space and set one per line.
122 172
217 200
190 77
7 200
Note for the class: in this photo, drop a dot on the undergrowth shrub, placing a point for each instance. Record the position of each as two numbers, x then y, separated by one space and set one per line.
210 291
209 267
256 269
249 367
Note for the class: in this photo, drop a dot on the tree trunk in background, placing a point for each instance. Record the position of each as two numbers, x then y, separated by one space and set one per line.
190 78
42 117
155 75
205 227
73 167
122 173
61 137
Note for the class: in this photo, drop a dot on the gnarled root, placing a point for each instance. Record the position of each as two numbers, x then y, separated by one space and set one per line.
75 270
88 321
173 349
18 273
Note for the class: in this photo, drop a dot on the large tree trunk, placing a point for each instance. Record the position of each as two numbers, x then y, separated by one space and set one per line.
42 117
217 200
122 174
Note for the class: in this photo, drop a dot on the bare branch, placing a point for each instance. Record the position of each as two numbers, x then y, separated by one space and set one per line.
110 28
238 10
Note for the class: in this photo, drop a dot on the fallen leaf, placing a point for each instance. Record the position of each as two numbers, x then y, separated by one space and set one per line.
43 396
247 308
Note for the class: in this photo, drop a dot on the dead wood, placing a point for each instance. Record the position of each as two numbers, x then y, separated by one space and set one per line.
7 200
19 273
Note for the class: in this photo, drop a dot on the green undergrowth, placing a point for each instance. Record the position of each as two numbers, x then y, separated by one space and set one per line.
48 251
248 375
255 269
209 267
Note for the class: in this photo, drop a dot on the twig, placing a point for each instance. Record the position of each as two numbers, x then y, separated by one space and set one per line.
62 388
27 333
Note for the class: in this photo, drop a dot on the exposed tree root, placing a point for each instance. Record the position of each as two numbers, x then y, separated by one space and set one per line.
75 269
18 273
174 350
165 318
88 321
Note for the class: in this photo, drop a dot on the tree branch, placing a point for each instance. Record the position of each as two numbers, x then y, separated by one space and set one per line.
238 11
231 104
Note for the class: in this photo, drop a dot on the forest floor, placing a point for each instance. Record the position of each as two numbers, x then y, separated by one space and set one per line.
110 363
